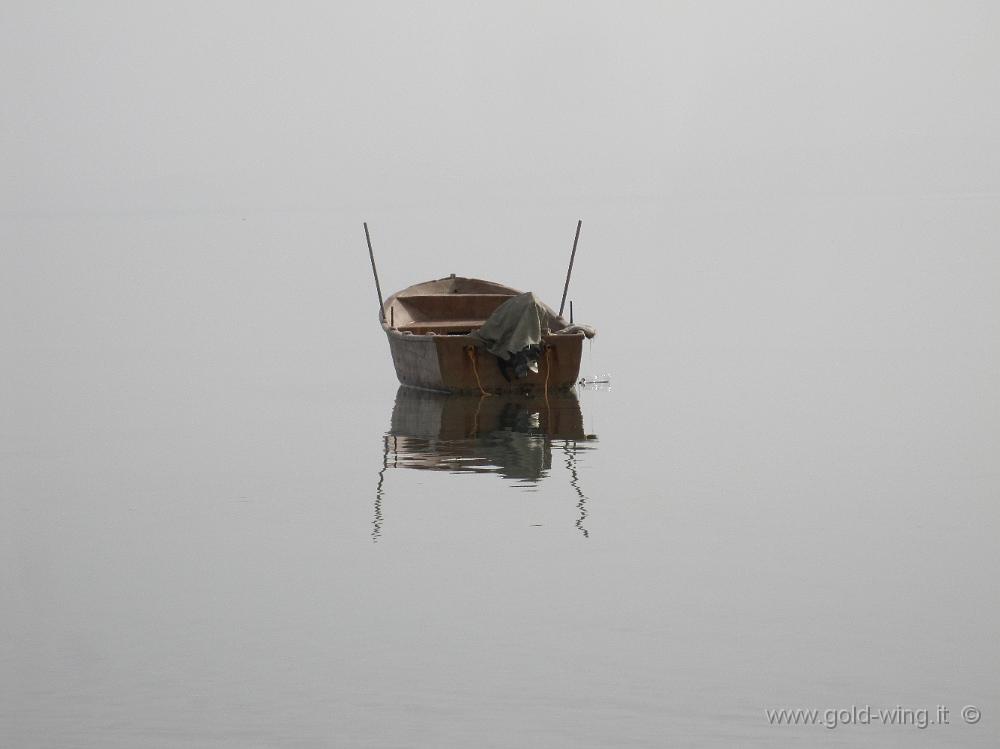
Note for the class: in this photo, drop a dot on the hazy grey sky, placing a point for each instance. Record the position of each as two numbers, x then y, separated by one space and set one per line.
239 105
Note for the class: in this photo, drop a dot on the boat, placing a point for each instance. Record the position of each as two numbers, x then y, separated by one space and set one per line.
437 338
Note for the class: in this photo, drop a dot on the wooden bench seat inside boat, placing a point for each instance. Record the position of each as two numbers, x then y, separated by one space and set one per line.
447 313
442 326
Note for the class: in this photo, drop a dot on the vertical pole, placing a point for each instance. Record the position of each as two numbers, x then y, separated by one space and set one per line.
569 270
570 311
378 289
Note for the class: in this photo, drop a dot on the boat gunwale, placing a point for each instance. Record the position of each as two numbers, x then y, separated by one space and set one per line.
384 317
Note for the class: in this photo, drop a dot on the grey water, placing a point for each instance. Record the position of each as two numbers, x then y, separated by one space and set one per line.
222 522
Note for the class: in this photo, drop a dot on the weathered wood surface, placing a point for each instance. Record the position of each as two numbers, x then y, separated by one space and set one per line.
443 363
416 361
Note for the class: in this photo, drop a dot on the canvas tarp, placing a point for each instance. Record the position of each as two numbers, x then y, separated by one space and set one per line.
518 323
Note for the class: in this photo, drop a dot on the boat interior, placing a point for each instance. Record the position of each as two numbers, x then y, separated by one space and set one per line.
447 306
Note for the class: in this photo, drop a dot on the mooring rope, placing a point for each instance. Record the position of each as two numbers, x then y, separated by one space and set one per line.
548 368
475 419
475 370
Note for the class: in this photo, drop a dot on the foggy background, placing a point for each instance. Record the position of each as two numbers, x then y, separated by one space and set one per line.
790 252
765 169
113 107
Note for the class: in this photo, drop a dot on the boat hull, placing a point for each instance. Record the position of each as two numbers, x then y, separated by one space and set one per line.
460 364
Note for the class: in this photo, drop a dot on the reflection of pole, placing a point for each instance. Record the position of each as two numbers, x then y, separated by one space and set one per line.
377 522
574 481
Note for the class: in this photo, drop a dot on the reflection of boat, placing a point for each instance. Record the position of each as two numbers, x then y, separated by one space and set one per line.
514 436
430 326
509 435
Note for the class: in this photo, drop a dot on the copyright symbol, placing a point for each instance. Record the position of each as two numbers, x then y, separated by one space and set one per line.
971 714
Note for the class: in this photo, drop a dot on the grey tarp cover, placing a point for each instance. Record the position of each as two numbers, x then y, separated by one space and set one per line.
516 324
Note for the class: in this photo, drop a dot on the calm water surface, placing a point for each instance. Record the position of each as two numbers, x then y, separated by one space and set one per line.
224 525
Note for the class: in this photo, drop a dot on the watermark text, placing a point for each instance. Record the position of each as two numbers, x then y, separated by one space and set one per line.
866 715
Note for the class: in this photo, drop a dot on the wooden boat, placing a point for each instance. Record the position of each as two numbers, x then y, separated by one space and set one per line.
429 327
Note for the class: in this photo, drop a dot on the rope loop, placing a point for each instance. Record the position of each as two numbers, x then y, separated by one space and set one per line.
471 351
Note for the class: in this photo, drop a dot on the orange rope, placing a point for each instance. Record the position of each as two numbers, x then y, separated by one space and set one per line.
475 369
475 419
